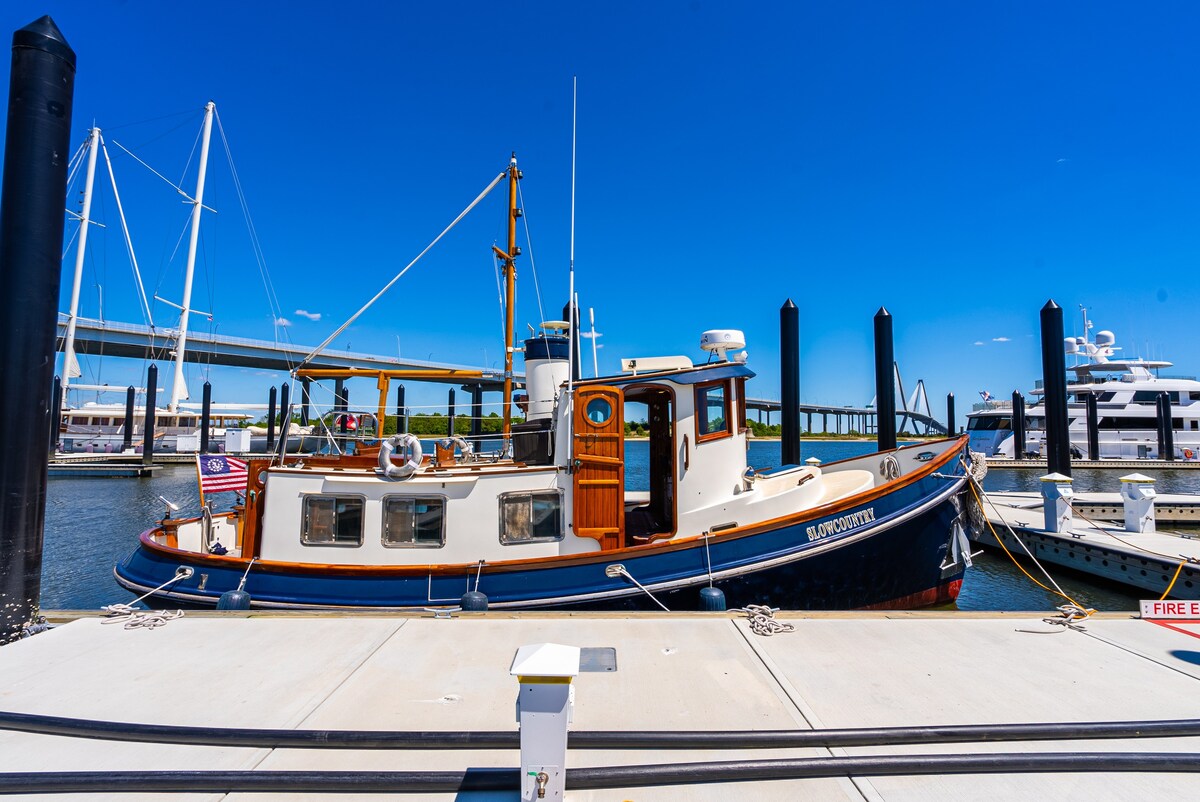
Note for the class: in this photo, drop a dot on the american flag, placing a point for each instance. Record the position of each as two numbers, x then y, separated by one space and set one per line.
219 473
985 395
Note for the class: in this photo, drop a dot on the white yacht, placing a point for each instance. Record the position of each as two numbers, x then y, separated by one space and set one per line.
1126 393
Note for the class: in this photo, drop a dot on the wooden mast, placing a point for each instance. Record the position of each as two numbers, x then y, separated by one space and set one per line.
510 291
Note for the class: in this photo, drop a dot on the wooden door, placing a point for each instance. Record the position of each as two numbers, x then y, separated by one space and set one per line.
599 460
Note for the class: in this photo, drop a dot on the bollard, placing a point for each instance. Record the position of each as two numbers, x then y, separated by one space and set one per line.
1056 506
545 705
1137 494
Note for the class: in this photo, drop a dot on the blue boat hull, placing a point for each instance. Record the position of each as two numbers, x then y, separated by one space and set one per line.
892 549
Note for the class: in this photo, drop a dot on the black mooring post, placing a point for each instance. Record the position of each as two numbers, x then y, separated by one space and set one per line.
340 403
285 416
41 85
1167 427
205 416
1018 424
55 413
271 400
401 416
304 401
1054 383
885 382
130 411
148 422
789 377
476 391
1093 427
450 413
950 430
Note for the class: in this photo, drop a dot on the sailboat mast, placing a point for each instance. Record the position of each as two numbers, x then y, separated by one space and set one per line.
179 387
70 363
510 293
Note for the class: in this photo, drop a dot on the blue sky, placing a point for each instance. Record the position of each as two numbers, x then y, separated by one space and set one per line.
957 163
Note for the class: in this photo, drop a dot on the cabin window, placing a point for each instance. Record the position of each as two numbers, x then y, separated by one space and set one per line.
414 522
332 521
531 517
712 411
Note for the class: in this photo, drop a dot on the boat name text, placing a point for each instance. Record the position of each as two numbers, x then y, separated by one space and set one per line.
843 524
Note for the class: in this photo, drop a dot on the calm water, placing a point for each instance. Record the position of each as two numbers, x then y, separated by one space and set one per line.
93 523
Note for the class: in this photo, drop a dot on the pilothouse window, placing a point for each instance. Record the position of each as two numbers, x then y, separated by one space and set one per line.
712 411
531 517
332 521
414 522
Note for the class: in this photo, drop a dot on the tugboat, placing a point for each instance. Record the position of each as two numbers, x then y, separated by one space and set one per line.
546 521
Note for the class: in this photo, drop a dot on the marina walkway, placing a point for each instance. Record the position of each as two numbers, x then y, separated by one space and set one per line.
674 672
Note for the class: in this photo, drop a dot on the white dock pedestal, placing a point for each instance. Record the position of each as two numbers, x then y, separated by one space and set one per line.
1137 494
1057 493
544 707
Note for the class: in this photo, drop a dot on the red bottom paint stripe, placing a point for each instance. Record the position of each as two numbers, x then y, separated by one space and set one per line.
942 594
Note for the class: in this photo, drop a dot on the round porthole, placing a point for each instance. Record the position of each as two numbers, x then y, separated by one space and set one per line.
599 411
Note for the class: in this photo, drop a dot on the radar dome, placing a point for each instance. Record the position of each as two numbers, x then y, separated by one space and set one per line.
722 340
1105 338
1071 346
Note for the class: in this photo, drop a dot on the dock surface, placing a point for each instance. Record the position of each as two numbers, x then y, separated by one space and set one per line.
674 672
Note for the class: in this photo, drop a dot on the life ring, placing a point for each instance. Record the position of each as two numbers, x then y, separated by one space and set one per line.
1188 453
464 448
404 443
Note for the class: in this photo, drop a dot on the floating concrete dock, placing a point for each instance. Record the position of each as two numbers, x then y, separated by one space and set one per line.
672 672
1121 464
1146 561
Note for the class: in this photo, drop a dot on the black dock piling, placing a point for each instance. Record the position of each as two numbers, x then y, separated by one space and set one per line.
285 416
1054 382
1166 428
130 411
1093 427
789 391
271 400
401 417
885 384
148 422
56 398
950 430
304 400
450 413
476 391
341 401
205 416
1018 424
38 139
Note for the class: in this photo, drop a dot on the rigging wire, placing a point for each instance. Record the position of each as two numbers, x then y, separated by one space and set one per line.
397 277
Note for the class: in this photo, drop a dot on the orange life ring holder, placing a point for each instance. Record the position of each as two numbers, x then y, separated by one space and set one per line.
1188 453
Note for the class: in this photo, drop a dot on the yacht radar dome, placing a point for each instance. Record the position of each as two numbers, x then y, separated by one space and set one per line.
721 341
1071 345
1105 338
